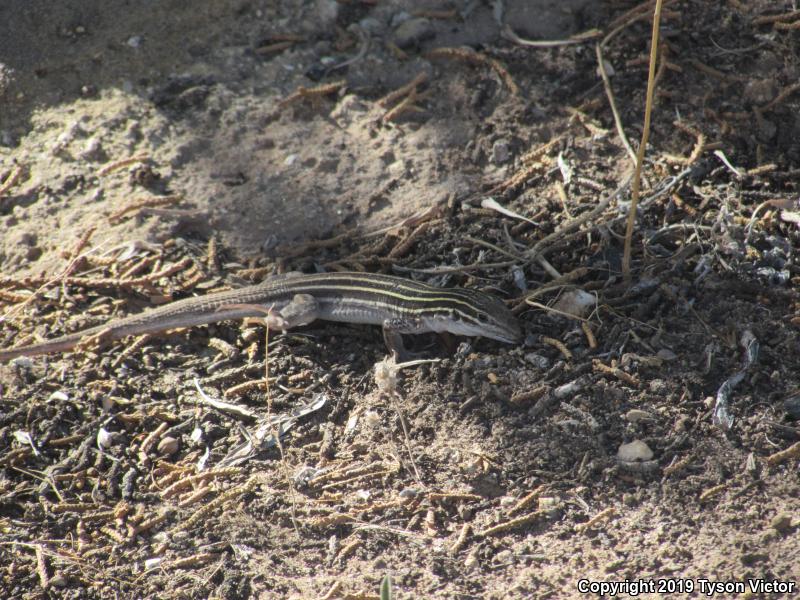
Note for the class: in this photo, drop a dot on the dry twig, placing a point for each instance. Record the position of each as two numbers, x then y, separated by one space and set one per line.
468 55
648 109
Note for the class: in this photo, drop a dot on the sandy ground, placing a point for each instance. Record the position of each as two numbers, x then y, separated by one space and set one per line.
152 151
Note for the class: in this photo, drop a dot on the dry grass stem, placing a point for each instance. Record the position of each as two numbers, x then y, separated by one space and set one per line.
402 91
470 56
579 38
512 524
597 519
790 453
120 164
781 18
601 66
314 94
637 177
141 203
10 181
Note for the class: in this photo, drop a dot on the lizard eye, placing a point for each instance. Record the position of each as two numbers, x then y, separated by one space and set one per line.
483 317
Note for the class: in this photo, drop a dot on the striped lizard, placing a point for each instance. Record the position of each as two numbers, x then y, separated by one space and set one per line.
400 306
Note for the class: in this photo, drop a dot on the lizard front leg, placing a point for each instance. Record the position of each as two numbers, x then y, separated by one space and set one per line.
393 330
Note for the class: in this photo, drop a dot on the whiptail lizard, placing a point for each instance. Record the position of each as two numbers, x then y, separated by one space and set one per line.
399 305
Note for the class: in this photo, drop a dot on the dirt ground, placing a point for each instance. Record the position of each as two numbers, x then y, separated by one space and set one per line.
155 150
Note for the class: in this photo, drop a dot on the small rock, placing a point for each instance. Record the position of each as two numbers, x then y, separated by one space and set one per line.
327 11
792 408
92 149
635 415
500 152
635 451
372 26
397 169
399 17
548 503
751 558
782 523
348 109
409 493
105 438
666 354
290 160
134 41
538 361
767 129
197 435
760 91
508 501
412 32
576 302
168 446
472 559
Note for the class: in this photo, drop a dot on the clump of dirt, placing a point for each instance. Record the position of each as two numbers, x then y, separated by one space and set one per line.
154 152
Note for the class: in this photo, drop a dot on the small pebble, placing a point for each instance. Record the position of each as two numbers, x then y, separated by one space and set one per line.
92 149
548 503
472 559
134 41
409 493
759 91
792 408
168 446
576 302
397 169
782 523
327 11
372 26
412 32
500 152
636 450
666 354
537 360
508 501
635 415
399 17
104 438
197 435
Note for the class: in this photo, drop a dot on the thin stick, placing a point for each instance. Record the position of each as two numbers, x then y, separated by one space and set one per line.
648 107
580 38
610 94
